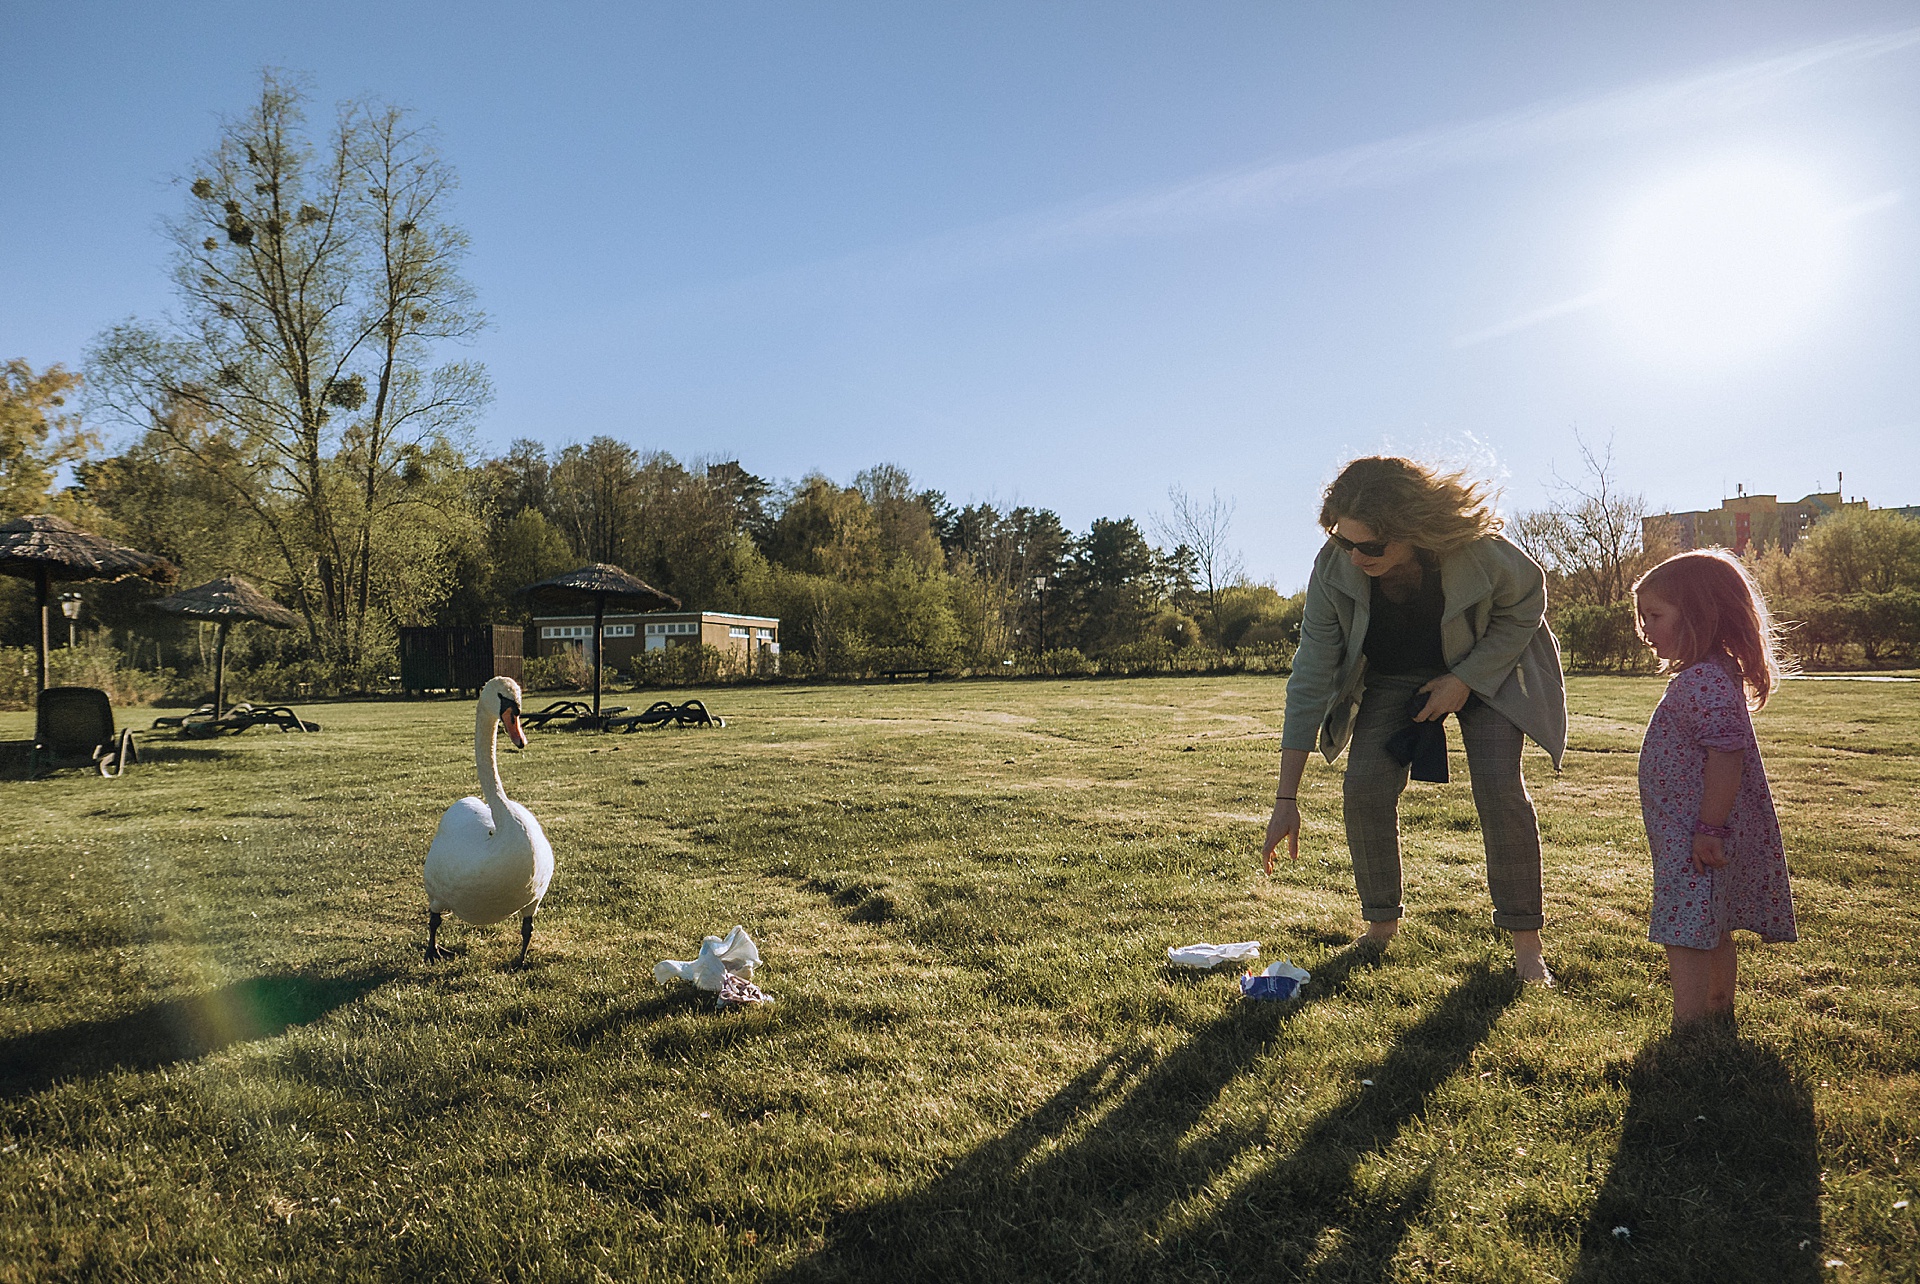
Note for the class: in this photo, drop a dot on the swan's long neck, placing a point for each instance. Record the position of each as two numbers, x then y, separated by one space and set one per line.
486 760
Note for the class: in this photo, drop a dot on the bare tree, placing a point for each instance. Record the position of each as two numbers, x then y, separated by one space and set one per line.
1202 529
314 281
1590 541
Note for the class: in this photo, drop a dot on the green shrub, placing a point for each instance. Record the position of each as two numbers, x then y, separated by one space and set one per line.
686 665
93 662
1148 655
566 671
1063 662
1601 636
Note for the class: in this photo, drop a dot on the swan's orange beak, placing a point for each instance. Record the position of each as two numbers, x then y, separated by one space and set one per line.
510 719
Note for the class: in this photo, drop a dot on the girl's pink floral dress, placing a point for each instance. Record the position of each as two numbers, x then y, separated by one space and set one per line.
1705 708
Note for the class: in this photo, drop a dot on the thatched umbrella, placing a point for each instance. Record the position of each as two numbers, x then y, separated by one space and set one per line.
598 584
227 601
46 549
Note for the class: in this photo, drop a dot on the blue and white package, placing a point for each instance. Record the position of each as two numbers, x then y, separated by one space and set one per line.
1281 980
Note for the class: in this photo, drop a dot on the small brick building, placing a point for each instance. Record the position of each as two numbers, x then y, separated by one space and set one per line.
624 636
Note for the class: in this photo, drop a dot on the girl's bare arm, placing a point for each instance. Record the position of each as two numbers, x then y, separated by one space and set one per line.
1720 786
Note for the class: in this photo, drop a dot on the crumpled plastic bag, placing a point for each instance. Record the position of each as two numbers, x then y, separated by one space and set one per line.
1203 955
1281 980
735 954
737 991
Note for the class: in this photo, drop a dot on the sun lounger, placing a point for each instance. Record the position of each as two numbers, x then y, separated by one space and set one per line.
558 709
245 717
73 727
203 713
694 714
660 713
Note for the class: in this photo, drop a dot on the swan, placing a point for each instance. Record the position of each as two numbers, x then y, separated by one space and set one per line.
482 870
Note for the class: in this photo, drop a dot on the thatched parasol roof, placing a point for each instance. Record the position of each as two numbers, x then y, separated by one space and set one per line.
598 582
229 600
31 547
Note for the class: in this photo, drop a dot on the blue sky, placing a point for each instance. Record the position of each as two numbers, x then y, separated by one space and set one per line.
1070 254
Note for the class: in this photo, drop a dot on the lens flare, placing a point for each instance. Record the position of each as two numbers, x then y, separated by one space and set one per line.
1726 263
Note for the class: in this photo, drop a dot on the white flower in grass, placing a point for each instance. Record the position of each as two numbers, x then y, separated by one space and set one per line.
1622 1232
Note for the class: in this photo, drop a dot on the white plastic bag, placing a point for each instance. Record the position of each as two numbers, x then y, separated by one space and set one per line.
1203 955
736 954
1286 968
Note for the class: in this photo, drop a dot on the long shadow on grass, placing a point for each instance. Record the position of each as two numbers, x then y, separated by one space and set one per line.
1272 1224
16 755
1717 1175
177 1029
1022 1207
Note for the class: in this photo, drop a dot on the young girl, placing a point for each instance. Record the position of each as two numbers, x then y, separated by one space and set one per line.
1717 860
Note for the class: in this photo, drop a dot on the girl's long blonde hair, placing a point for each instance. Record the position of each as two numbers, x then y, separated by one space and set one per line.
1721 613
1401 499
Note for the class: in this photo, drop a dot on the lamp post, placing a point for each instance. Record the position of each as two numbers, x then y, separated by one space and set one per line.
1040 591
70 607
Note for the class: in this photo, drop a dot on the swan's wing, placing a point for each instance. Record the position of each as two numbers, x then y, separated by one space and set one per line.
466 828
542 849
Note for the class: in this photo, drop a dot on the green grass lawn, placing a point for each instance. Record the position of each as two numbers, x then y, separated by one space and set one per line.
221 1055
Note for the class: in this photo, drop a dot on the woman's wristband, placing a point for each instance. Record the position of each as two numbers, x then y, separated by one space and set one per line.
1712 831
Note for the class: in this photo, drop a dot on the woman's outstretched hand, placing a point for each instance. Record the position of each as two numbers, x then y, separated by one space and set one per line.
1445 694
1284 824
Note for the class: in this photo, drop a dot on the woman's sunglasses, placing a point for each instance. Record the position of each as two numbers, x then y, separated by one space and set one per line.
1366 548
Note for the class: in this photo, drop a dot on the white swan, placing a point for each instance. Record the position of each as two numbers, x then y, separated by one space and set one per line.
482 870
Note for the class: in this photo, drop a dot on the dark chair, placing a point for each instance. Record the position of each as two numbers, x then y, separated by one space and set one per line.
245 717
73 727
694 714
660 713
558 709
202 714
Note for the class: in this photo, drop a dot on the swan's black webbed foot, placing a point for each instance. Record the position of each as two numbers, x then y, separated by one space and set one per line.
434 952
526 939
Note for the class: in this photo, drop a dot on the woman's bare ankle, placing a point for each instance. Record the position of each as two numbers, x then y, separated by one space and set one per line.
1529 958
1381 933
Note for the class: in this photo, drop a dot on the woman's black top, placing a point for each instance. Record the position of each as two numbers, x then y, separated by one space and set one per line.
1404 637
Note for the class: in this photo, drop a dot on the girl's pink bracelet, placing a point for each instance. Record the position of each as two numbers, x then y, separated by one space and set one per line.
1712 831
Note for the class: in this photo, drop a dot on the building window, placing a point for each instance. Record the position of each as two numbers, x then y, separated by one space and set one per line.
738 632
565 630
617 631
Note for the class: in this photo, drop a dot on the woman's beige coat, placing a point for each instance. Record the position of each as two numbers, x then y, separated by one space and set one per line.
1493 633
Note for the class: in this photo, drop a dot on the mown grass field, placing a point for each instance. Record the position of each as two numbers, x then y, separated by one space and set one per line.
222 1058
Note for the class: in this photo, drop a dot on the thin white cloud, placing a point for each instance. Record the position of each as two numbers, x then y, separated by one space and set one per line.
1253 190
1527 320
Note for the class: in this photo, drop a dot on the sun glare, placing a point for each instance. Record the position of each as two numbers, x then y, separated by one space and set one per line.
1726 263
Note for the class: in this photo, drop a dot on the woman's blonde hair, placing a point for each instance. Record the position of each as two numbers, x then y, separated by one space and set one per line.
1401 499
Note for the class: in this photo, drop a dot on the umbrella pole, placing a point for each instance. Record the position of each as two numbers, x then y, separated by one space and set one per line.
599 614
44 582
219 668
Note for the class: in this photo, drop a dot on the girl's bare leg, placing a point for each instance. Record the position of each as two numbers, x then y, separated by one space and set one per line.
1703 981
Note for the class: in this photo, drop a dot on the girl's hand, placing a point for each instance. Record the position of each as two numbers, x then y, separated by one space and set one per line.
1709 852
1284 824
1445 694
